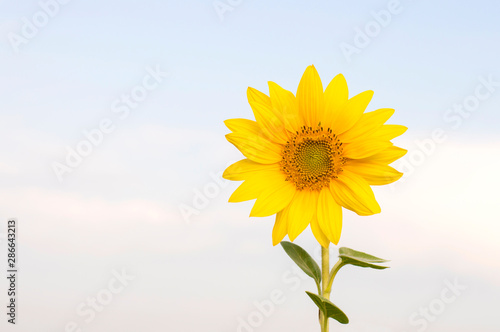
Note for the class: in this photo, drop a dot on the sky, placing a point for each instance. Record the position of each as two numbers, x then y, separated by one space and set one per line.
111 119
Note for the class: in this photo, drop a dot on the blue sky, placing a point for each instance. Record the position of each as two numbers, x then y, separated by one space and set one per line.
119 207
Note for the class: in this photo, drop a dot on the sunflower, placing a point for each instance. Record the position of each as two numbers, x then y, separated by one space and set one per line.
309 155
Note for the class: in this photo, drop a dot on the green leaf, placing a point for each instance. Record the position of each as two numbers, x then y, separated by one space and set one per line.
329 309
303 260
358 258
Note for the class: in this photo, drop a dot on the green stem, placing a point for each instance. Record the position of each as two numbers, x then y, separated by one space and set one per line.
318 286
327 277
325 268
332 275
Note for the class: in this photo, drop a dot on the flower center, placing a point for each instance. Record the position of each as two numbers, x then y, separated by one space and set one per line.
311 158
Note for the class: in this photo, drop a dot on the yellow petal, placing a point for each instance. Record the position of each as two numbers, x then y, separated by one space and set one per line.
275 198
373 173
387 156
388 132
280 226
302 209
248 190
286 103
270 123
336 96
318 233
310 97
254 185
367 125
353 192
257 96
364 148
256 148
329 216
243 126
267 116
242 169
351 112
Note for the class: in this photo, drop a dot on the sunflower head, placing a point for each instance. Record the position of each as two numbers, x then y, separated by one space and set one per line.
310 154
312 157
